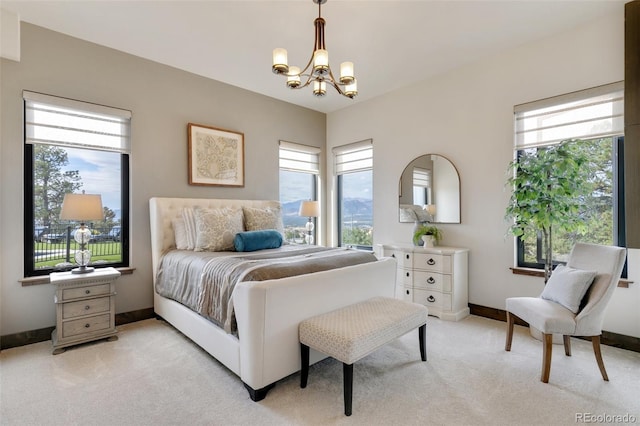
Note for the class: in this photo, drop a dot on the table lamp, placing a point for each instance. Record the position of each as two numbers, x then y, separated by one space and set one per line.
309 209
82 207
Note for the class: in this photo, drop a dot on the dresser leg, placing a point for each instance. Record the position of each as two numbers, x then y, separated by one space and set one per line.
112 339
58 351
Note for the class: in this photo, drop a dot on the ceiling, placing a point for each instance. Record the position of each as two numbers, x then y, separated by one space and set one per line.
392 43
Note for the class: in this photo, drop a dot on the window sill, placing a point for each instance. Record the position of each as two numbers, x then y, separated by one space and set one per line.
624 283
44 279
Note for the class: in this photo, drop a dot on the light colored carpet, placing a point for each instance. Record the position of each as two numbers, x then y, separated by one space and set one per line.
153 375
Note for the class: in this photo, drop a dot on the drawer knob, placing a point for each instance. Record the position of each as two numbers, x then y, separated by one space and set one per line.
393 255
430 280
87 325
431 299
431 261
87 292
407 291
408 257
86 308
407 274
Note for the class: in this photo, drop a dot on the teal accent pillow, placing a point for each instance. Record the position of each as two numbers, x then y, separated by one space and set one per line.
257 240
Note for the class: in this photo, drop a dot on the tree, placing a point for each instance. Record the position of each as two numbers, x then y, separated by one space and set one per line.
50 182
549 186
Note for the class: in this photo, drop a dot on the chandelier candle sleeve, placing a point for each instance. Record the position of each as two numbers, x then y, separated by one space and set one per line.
317 71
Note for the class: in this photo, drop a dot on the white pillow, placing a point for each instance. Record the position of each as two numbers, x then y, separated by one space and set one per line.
216 228
180 234
188 215
567 286
258 219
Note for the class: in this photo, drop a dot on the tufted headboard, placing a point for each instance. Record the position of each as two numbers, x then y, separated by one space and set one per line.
163 210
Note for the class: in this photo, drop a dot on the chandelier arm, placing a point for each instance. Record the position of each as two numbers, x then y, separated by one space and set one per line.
335 83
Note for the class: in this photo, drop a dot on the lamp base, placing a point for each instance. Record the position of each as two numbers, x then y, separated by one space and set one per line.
82 270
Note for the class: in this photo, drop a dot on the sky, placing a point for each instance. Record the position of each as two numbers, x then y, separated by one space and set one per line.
99 174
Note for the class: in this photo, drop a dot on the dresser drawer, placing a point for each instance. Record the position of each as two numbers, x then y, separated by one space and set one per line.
403 260
88 291
86 307
435 299
432 262
432 281
85 325
405 277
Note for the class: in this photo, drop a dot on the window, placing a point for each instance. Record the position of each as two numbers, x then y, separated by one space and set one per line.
590 123
354 169
299 170
73 146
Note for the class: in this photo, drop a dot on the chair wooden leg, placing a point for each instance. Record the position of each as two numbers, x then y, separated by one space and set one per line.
567 344
347 378
507 345
595 340
304 364
547 346
422 331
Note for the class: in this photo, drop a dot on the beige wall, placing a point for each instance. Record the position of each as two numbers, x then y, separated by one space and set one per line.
163 100
467 116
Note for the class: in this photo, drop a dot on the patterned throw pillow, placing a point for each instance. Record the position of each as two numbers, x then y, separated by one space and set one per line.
180 234
188 215
258 219
216 228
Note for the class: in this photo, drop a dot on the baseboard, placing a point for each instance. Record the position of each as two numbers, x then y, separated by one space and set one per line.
43 334
608 338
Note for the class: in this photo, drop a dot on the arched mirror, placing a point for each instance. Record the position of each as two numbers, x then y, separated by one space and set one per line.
430 191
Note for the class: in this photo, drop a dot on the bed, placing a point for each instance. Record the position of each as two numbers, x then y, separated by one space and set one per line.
265 347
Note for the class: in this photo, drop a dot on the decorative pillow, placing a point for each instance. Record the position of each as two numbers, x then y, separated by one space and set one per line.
257 240
188 215
180 233
216 228
567 286
258 219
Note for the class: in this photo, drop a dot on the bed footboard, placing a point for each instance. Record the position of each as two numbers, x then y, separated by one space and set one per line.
268 314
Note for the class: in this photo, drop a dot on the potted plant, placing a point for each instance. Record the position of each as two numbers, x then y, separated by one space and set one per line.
427 230
548 185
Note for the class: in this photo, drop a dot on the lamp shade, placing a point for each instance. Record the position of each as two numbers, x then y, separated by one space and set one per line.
309 209
81 207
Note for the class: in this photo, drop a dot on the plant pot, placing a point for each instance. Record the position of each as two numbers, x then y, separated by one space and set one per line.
429 240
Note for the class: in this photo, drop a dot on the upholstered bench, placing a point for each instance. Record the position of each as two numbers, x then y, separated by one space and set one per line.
353 332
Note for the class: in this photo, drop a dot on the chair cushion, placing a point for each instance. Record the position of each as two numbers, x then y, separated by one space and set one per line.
567 286
545 315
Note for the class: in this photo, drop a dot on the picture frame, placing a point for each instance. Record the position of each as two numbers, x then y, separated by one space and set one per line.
216 156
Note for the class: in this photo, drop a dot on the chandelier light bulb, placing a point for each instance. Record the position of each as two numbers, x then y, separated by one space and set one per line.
320 62
293 77
346 73
280 65
351 89
319 88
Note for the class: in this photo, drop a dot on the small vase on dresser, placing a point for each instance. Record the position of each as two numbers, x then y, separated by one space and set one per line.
436 277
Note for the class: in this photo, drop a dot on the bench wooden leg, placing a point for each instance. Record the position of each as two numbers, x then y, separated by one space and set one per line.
304 362
347 370
422 331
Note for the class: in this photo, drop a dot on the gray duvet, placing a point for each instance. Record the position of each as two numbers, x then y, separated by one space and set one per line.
204 281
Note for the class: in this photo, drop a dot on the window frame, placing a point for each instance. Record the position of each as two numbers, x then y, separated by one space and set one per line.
29 201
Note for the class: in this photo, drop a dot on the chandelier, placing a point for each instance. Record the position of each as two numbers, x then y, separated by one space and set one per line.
317 70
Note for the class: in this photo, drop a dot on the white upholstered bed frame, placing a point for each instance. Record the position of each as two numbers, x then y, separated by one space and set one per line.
267 312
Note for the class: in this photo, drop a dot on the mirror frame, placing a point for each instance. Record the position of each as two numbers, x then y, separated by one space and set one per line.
455 169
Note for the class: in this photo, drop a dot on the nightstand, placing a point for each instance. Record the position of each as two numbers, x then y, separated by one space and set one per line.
85 307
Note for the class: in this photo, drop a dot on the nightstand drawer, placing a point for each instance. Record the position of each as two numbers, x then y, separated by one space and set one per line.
78 292
432 262
86 307
85 325
432 281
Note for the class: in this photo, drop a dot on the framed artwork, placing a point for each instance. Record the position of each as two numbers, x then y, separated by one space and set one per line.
216 156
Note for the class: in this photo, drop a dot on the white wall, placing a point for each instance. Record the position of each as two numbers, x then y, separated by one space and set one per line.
163 100
467 116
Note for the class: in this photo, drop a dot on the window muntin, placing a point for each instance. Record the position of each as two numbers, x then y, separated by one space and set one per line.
72 146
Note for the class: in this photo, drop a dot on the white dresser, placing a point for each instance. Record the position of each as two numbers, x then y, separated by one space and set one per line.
436 277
